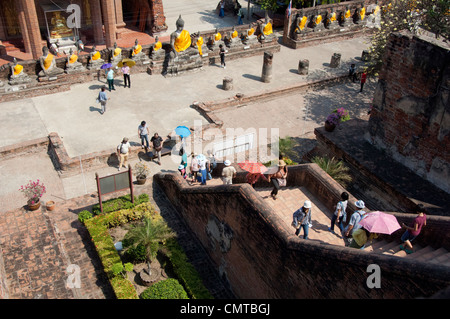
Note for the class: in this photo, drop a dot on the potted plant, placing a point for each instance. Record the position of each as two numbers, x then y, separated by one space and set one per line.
141 171
335 118
33 191
50 205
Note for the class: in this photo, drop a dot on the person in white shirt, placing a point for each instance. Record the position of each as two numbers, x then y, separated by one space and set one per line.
126 75
228 173
122 152
143 133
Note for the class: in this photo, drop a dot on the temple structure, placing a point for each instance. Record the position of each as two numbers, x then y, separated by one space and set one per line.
32 23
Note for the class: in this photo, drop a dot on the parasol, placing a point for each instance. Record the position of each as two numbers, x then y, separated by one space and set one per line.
129 63
380 223
183 131
106 66
253 167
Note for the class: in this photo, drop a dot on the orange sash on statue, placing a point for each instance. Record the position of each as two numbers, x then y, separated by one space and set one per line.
48 61
199 45
251 31
96 56
73 58
137 50
218 36
235 34
363 13
268 29
333 17
18 69
183 41
302 23
157 46
117 51
318 19
347 14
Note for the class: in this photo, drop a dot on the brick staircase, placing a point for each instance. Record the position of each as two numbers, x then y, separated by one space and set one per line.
12 46
427 253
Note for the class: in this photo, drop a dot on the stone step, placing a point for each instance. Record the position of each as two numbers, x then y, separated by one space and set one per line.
419 250
434 254
387 248
443 259
376 245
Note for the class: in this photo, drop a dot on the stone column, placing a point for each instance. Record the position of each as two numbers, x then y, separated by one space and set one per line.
109 18
335 60
158 18
266 76
32 22
227 83
303 67
23 26
97 23
119 14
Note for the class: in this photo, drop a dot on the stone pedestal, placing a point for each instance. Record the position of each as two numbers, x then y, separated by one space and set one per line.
303 67
227 83
266 76
335 60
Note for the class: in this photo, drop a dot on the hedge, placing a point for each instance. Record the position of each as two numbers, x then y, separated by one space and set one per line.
123 288
165 289
122 202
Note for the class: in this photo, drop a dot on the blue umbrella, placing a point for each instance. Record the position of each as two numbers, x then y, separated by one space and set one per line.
183 131
106 66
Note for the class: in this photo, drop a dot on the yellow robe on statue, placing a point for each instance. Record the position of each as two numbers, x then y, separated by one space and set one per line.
218 36
183 41
268 29
251 31
377 8
73 58
96 56
157 46
302 23
347 14
137 50
235 34
199 45
363 13
117 51
48 61
333 17
18 69
318 19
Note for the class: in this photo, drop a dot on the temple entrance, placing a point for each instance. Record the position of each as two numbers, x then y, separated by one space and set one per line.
138 13
10 20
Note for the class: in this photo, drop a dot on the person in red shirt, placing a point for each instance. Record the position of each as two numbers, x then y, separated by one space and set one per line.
363 80
412 232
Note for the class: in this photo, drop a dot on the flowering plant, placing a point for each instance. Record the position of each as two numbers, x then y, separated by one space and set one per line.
33 191
337 116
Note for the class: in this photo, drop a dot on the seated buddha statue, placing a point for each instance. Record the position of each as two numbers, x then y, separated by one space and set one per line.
72 64
331 19
137 53
199 43
180 39
59 27
115 54
48 64
233 38
95 59
301 23
360 15
266 30
18 76
156 51
344 18
316 21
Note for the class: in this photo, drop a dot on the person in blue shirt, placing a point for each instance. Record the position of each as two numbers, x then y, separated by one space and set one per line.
302 219
103 98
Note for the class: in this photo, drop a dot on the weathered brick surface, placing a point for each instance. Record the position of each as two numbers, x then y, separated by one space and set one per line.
261 258
410 117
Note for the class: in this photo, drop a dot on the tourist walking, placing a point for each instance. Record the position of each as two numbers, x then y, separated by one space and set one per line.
102 98
222 56
182 170
194 167
228 173
361 237
126 75
357 216
143 134
122 152
212 163
340 214
278 179
157 146
413 231
302 219
352 72
203 166
110 79
222 8
240 13
363 80
183 157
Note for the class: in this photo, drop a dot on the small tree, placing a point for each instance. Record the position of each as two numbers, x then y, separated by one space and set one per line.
336 169
150 234
411 15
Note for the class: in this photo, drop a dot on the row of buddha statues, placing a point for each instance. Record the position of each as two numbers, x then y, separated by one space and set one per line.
317 21
181 42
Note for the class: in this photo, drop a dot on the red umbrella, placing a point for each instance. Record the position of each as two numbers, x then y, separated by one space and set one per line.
253 167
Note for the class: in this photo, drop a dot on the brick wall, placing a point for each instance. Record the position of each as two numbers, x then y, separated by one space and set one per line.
410 117
256 253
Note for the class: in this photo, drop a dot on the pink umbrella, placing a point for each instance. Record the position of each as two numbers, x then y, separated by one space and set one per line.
380 223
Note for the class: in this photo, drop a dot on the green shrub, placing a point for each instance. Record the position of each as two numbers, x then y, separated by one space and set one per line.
84 215
186 273
166 289
335 168
134 254
123 202
123 288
